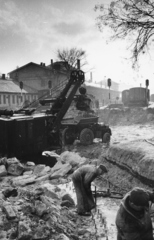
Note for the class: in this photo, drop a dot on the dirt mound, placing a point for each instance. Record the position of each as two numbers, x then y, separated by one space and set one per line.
127 116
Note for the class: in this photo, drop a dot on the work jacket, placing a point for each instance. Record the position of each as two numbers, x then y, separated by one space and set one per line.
82 179
86 174
131 224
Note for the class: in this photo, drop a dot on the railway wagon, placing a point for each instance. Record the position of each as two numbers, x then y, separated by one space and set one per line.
125 97
152 98
137 96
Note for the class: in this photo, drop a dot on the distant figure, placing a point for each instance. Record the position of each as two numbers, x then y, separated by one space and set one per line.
82 179
133 219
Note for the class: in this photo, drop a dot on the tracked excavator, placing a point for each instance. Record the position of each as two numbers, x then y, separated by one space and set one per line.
26 132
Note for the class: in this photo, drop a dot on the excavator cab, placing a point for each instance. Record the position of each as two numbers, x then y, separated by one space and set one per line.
83 103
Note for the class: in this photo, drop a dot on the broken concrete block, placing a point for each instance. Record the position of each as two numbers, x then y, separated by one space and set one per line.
43 178
39 168
24 231
3 234
3 171
3 161
28 172
57 166
72 158
10 213
15 169
30 164
40 208
12 161
44 171
23 180
2 195
49 190
1 220
63 171
62 237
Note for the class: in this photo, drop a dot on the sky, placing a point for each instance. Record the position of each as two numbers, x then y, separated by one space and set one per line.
33 30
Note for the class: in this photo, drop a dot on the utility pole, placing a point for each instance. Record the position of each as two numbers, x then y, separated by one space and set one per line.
147 95
109 85
21 87
50 86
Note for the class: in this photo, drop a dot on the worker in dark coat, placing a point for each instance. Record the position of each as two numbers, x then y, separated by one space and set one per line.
133 219
82 179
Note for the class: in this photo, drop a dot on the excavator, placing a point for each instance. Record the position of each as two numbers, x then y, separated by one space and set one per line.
26 132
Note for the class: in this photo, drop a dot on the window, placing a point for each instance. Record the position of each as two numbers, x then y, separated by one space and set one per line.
13 99
4 99
17 99
8 99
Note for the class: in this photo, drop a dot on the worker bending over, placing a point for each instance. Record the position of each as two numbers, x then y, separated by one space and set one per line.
133 219
82 179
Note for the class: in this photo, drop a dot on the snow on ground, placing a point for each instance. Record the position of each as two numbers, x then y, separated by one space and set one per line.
132 132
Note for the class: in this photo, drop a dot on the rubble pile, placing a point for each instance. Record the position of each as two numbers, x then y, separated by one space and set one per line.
33 206
35 214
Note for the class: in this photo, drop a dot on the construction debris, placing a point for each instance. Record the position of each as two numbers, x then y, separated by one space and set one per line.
33 206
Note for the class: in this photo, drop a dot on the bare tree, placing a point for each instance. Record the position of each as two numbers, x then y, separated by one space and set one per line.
129 18
71 56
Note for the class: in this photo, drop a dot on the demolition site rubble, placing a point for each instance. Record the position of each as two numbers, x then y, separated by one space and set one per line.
33 205
38 201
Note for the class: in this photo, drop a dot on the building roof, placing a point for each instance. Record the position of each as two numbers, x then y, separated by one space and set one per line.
31 63
61 66
10 86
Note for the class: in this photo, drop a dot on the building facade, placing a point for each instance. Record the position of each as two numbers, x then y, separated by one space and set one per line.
11 96
36 77
103 95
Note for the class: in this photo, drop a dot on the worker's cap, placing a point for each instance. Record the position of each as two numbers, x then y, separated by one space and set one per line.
139 197
104 169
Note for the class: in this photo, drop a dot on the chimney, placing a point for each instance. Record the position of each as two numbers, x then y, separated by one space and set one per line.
3 76
51 62
78 63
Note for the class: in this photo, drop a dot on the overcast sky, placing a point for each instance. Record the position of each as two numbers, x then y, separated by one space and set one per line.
32 31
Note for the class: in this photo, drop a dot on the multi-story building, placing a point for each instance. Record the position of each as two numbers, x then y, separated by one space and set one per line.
37 76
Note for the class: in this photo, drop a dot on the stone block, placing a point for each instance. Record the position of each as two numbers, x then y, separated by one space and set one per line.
10 161
10 213
3 171
39 168
15 169
49 190
65 168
